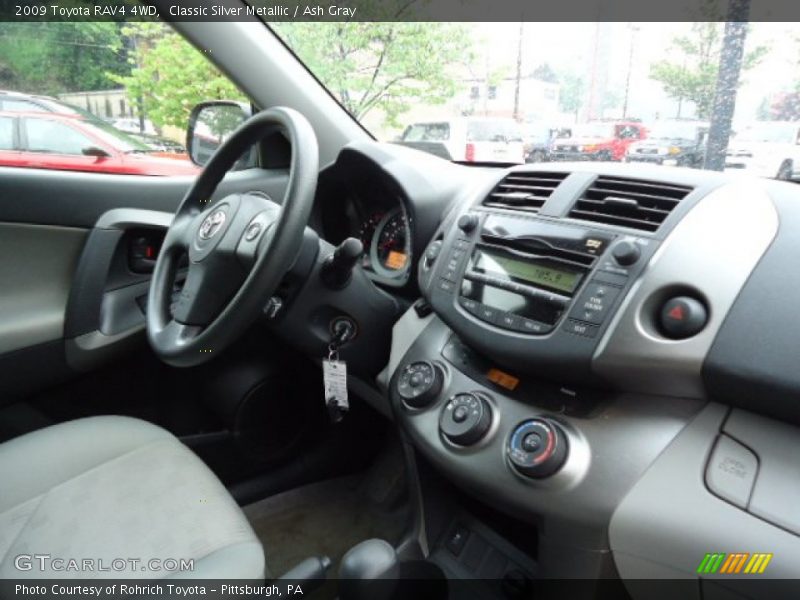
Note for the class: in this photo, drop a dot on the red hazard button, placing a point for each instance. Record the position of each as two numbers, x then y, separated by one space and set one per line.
678 313
682 317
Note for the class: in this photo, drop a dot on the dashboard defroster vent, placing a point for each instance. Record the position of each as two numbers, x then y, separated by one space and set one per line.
634 203
525 191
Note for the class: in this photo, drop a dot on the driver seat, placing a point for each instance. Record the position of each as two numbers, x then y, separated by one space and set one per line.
106 488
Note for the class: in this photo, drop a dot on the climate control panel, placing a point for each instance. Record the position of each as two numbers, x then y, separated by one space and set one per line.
465 419
537 448
420 383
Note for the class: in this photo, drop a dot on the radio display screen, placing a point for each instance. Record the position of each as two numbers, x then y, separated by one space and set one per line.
540 274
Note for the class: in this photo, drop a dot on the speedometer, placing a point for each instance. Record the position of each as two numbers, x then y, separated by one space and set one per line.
366 233
390 249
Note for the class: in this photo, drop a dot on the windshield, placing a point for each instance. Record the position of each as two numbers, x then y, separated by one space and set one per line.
776 134
409 82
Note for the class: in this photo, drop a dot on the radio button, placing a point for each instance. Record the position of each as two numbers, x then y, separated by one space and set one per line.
488 314
531 326
626 252
446 286
509 321
469 304
594 303
582 329
450 273
467 223
610 278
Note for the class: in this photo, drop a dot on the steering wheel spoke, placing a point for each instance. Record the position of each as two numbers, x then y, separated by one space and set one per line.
177 335
239 248
257 235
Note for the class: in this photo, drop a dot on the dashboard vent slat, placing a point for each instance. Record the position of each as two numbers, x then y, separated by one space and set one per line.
524 191
634 203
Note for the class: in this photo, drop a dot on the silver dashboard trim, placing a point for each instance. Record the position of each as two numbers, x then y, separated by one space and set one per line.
713 250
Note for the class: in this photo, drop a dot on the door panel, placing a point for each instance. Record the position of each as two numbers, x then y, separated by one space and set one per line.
79 199
36 266
69 302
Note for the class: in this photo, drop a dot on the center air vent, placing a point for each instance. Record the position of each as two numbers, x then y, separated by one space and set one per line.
526 191
631 203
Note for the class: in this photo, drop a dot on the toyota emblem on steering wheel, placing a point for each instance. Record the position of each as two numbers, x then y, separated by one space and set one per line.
212 224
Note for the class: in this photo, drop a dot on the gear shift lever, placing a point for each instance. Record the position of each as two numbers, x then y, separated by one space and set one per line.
369 571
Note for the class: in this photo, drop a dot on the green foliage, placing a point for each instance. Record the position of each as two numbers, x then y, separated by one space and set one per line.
169 76
51 58
693 76
382 65
573 90
544 72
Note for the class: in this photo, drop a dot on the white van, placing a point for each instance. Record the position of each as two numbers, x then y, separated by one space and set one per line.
468 139
766 149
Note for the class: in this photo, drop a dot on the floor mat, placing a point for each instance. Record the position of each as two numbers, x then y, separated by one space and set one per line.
325 518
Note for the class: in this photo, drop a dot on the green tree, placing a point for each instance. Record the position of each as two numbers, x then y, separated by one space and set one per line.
382 65
544 72
693 74
53 58
169 76
572 93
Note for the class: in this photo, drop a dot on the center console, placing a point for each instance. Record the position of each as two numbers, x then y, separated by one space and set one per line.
564 358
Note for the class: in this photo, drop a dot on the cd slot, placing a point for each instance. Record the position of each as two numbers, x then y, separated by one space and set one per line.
532 247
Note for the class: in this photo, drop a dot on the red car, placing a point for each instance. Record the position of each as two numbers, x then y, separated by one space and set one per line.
73 143
598 140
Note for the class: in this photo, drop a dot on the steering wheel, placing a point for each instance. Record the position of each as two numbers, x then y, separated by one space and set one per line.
238 248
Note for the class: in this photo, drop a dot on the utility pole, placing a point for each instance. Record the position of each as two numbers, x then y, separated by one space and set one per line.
634 30
519 71
730 66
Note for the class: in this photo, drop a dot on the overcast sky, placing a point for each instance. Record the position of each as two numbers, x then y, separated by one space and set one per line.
571 45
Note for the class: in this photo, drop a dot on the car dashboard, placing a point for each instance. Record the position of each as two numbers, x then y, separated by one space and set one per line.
599 334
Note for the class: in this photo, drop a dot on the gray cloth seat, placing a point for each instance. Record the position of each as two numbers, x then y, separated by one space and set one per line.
106 488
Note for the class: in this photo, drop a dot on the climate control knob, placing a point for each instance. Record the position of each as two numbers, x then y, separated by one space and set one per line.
420 383
537 448
465 419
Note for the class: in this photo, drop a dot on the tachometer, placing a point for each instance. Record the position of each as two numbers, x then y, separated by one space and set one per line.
390 245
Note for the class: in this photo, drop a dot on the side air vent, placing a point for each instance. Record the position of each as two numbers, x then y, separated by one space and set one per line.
634 203
526 191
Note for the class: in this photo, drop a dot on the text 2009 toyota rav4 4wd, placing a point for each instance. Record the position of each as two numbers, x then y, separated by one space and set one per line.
334 366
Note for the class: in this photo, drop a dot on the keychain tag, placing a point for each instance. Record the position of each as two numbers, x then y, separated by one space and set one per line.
334 376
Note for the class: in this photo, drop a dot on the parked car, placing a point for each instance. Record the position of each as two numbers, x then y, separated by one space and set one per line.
468 139
766 149
676 143
133 125
538 140
19 102
72 143
161 145
598 140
